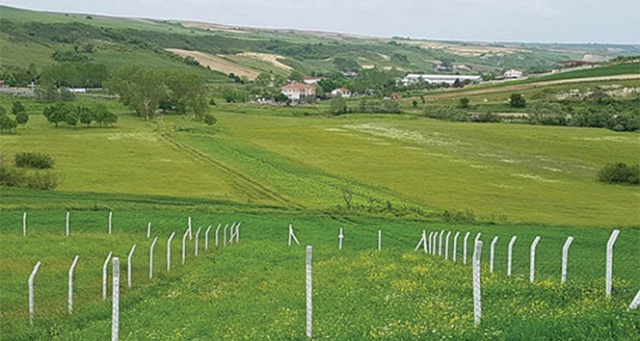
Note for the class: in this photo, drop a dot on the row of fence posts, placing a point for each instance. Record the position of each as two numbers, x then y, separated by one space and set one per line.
234 238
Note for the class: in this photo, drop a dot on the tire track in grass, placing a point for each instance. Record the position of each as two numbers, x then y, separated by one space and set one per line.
244 183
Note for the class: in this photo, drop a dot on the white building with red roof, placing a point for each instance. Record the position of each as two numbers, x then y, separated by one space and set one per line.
298 91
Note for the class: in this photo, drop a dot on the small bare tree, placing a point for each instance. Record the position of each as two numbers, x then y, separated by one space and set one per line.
347 195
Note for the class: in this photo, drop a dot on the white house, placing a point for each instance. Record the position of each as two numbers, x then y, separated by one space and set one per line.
298 91
343 92
312 80
438 79
513 73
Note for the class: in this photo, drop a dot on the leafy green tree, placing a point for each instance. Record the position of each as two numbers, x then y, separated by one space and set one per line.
7 123
56 113
17 108
139 89
338 106
85 115
296 76
209 119
464 103
517 101
187 89
3 111
22 118
620 173
71 118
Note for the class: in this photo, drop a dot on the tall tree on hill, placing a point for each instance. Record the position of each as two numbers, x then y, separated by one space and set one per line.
142 90
188 90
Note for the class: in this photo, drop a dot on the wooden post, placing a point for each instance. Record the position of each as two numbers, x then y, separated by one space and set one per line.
612 240
510 254
153 245
104 276
309 295
477 299
115 307
129 266
455 245
491 253
565 259
532 265
32 305
464 248
70 299
169 251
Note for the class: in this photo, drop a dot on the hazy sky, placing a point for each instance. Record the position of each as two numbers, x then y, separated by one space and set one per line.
584 21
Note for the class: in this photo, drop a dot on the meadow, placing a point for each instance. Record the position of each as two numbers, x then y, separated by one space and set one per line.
273 166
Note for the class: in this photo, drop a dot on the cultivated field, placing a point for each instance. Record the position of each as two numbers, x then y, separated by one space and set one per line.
217 63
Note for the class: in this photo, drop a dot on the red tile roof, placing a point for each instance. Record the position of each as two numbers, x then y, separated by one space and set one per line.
299 86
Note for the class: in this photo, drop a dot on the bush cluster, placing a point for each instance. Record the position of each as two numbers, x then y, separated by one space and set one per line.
620 173
33 160
71 115
22 178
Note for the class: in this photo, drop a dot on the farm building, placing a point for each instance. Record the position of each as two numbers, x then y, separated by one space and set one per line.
437 79
342 92
513 73
298 91
312 80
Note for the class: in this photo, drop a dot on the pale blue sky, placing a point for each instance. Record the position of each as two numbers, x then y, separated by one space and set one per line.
564 21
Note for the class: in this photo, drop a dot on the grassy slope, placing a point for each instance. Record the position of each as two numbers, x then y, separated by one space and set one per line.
358 294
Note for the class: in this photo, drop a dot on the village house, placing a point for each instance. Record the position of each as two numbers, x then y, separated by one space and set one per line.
312 80
298 91
513 73
438 79
342 92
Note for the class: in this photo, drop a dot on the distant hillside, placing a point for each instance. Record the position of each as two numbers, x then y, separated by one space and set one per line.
30 38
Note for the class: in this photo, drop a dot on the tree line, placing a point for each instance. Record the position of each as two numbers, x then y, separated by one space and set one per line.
72 115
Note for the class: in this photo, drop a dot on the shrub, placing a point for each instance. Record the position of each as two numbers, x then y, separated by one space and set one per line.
210 119
620 173
517 101
33 160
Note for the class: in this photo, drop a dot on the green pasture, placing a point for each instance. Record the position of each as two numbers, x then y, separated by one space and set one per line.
393 164
255 289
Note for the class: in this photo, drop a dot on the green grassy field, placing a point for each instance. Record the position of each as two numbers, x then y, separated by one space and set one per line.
255 289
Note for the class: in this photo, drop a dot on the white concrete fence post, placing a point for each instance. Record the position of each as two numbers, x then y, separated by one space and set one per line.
129 270
455 245
238 232
173 234
206 237
153 245
224 240
32 305
565 259
532 265
309 294
24 223
67 223
446 245
115 307
379 240
422 241
70 298
609 272
636 301
184 246
196 241
217 233
492 252
440 242
477 296
434 245
149 230
464 248
292 236
510 254
430 245
110 221
340 238
105 268
189 229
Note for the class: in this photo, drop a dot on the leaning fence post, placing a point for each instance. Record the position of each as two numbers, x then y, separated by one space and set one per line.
32 305
464 248
153 245
129 266
206 237
422 241
238 232
612 240
24 224
532 265
104 276
446 245
636 301
477 299
309 293
169 251
440 242
70 300
184 246
430 245
510 254
491 253
115 307
565 259
455 245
